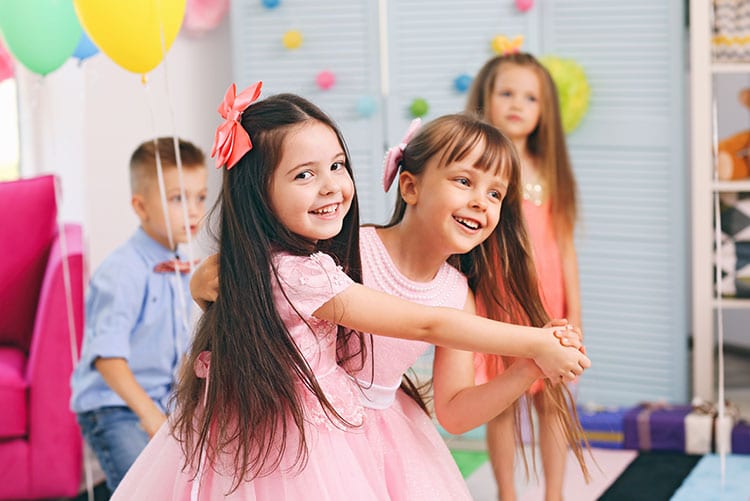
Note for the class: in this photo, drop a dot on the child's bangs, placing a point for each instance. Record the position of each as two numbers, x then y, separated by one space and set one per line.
463 142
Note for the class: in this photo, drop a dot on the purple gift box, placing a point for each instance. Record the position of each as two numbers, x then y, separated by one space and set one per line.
741 438
603 428
656 427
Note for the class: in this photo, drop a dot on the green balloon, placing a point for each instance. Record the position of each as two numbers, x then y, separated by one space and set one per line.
40 34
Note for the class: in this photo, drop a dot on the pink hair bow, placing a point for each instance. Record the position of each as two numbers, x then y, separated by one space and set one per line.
202 364
232 140
394 155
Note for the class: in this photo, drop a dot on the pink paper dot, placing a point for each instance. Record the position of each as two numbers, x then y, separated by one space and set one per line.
325 80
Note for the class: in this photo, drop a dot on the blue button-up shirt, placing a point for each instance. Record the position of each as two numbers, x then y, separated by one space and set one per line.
135 313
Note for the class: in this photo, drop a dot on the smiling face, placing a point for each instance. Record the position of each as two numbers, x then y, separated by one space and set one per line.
460 202
311 190
513 106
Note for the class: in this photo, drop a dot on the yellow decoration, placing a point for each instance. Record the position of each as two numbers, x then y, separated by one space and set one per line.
573 89
502 45
292 39
130 32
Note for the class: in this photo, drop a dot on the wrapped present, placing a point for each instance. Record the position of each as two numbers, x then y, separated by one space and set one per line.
655 427
602 426
741 438
699 428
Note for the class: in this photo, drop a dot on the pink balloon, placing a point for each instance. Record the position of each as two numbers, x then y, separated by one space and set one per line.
204 15
6 63
325 80
524 5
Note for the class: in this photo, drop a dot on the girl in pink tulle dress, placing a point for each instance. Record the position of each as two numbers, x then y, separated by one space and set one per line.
418 256
264 406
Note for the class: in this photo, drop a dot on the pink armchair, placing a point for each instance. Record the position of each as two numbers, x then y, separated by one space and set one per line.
40 443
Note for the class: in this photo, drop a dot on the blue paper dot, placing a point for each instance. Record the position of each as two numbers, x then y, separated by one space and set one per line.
270 4
462 82
366 106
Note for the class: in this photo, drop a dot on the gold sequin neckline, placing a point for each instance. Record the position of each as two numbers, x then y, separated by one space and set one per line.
533 192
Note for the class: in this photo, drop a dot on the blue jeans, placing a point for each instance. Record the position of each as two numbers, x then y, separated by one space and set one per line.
116 437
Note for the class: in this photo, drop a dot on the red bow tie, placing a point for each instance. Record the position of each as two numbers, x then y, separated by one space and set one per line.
174 265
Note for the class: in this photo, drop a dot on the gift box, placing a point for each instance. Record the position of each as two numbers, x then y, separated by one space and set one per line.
655 427
603 427
741 438
700 428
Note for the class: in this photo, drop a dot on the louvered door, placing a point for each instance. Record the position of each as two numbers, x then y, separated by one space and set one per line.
339 37
629 160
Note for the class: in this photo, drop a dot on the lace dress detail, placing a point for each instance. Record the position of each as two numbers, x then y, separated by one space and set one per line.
340 463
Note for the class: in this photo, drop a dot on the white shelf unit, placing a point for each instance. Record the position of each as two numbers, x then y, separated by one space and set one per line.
704 186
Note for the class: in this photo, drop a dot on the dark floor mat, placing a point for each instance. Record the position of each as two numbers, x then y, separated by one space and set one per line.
652 476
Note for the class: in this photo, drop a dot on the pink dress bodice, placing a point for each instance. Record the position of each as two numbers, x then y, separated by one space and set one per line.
393 356
306 284
412 457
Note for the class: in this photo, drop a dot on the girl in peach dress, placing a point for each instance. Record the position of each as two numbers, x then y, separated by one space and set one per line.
516 94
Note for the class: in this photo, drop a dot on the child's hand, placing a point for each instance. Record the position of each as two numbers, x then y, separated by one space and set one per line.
204 284
558 362
568 335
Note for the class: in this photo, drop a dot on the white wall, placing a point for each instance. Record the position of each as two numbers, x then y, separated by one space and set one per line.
84 120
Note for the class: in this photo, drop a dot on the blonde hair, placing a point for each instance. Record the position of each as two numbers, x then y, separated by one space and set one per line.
546 143
143 160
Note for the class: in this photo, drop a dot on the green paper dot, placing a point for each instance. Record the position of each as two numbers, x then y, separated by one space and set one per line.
419 107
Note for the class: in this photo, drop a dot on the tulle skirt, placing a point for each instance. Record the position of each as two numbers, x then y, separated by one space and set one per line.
412 455
340 465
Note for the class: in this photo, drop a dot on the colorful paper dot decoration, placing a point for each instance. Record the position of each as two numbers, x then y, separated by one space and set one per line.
270 4
292 39
366 106
502 45
524 5
462 82
572 89
325 80
419 107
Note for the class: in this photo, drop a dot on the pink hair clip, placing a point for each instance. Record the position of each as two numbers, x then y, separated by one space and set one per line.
232 141
202 364
394 155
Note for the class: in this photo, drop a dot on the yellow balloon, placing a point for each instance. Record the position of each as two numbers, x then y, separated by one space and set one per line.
130 32
292 39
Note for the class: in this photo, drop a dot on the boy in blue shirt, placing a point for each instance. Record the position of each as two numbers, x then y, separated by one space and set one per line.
137 313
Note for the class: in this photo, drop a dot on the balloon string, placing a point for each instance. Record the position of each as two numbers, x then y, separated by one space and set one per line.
183 196
178 155
720 438
159 169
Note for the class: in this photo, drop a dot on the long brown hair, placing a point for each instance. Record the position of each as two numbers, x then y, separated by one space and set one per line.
546 143
253 399
501 269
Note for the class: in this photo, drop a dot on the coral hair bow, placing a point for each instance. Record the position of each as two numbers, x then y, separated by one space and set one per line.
232 141
394 155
